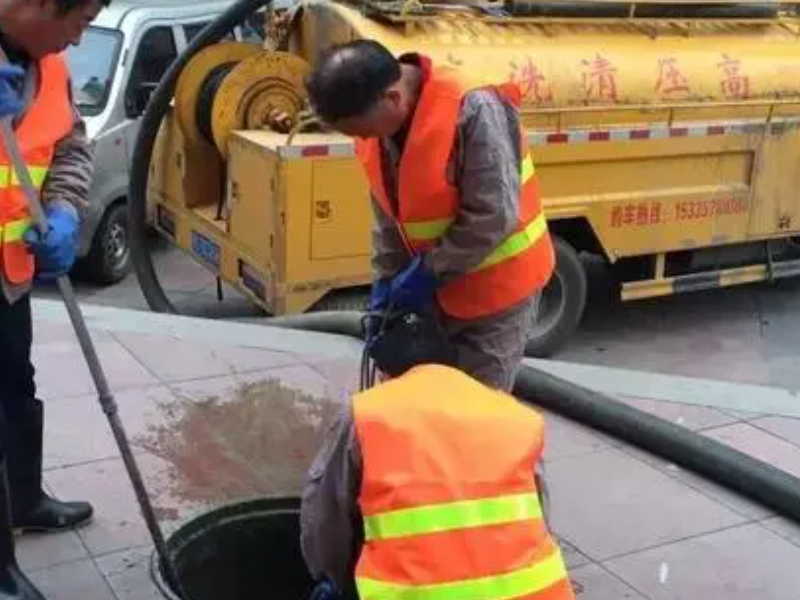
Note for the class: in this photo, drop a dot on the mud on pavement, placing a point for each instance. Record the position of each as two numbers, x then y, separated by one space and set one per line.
258 440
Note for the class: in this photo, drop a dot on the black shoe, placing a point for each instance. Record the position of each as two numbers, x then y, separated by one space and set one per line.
13 583
31 508
50 515
15 586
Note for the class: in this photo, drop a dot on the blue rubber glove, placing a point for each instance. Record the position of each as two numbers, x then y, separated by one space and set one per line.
378 303
325 590
379 295
54 250
10 101
414 287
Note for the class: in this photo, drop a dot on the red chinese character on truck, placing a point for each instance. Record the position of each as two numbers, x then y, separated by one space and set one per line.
671 81
735 85
641 214
600 79
532 83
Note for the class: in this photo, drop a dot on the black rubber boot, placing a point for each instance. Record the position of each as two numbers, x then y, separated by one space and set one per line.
31 508
13 583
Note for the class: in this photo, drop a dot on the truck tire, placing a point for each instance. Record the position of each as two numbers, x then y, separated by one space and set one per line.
561 304
109 257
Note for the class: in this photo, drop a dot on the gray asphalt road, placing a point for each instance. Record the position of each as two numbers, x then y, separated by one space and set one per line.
748 334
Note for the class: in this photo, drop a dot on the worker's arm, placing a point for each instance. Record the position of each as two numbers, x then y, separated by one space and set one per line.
331 525
71 170
486 173
389 254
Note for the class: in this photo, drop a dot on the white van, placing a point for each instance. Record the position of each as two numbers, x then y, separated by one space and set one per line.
115 68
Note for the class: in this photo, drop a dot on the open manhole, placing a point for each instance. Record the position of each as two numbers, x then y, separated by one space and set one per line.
240 552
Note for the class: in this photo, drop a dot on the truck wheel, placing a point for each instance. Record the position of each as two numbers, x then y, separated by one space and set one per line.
561 304
109 258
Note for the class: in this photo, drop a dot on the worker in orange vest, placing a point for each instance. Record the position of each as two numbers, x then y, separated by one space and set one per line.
459 228
35 94
425 488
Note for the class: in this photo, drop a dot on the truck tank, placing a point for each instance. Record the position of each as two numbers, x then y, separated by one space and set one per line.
689 64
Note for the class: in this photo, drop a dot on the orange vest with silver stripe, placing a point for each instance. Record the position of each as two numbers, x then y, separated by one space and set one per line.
448 494
428 204
48 119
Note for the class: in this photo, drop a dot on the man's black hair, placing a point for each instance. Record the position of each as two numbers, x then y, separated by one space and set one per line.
350 78
67 6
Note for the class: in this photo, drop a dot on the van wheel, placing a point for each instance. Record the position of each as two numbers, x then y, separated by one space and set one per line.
561 304
109 258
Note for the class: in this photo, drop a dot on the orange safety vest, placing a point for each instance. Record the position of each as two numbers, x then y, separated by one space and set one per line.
48 119
448 494
428 204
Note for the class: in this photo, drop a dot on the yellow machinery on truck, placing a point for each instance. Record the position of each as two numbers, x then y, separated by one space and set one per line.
666 137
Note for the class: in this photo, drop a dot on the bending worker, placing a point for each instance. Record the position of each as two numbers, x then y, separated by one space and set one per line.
459 229
425 487
35 94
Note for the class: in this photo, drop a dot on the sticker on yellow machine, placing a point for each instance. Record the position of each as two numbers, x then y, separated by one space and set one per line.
206 249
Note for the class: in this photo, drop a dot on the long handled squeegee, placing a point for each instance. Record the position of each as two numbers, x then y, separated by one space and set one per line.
104 395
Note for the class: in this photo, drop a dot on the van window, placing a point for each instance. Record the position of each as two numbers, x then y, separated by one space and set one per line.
154 55
92 64
192 30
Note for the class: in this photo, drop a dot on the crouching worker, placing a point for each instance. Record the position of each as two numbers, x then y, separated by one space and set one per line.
425 488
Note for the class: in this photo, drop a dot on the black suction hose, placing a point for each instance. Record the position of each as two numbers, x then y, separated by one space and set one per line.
140 165
621 10
718 462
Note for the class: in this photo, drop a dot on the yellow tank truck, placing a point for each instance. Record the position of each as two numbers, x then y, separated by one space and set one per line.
666 137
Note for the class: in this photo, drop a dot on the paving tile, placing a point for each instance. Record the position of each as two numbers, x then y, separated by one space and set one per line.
590 492
733 500
565 438
77 430
786 528
689 416
742 415
45 331
741 563
759 444
72 581
572 556
37 551
128 573
592 582
785 427
176 360
342 374
117 522
61 369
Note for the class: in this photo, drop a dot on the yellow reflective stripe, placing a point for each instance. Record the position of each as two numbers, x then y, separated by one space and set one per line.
427 230
447 516
522 582
516 243
13 230
8 176
526 170
435 228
